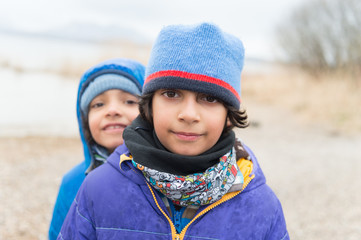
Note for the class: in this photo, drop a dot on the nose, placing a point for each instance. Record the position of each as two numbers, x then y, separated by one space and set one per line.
114 110
189 111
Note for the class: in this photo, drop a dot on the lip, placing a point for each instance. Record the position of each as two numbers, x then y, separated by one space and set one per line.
187 136
114 127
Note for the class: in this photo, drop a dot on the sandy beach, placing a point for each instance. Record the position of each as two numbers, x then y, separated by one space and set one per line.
315 173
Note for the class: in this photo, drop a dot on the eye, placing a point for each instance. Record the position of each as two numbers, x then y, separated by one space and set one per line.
208 98
97 105
170 93
131 102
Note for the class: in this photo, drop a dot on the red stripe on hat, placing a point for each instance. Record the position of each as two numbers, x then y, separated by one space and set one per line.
193 76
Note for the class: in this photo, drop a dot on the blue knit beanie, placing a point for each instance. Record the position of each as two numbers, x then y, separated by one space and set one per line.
104 83
200 58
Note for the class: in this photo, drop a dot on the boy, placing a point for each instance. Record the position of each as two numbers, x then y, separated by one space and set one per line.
107 102
182 174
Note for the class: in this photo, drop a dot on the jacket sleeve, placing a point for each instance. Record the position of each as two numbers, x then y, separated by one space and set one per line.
60 210
78 224
68 189
278 230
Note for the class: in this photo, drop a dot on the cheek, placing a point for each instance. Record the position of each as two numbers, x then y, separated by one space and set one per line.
161 122
218 121
157 121
217 127
133 113
157 113
93 123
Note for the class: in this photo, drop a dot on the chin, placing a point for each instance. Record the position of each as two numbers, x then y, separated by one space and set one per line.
114 145
187 152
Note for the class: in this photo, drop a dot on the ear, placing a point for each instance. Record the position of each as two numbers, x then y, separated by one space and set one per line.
228 122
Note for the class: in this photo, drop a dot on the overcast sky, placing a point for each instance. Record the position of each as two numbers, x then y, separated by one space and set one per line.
253 21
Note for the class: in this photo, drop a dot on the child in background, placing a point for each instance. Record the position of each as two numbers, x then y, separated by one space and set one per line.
182 173
107 102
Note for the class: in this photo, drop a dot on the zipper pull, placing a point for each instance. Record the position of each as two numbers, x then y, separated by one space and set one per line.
177 237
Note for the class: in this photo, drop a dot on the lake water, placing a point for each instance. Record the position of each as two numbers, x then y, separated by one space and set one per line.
37 104
34 100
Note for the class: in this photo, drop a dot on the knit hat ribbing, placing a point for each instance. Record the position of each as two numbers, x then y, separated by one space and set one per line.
104 83
200 58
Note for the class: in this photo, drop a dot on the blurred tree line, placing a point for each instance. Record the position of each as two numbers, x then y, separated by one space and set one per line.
323 36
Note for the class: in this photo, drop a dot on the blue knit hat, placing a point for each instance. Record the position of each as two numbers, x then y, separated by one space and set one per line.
200 58
104 83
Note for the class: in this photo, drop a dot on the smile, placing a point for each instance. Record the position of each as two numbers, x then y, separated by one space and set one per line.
114 127
187 136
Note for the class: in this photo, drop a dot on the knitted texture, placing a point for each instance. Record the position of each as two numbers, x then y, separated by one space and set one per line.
200 58
104 83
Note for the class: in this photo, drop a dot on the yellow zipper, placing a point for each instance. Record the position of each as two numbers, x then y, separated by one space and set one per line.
225 198
175 236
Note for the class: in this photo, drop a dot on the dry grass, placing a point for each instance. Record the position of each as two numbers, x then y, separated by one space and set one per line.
126 49
330 101
74 67
110 49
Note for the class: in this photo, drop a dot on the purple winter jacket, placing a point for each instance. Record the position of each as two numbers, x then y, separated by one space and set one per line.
115 203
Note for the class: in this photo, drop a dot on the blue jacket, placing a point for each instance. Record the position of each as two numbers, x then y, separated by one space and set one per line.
117 203
73 179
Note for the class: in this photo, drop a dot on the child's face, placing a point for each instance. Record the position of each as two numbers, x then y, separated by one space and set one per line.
109 113
187 123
